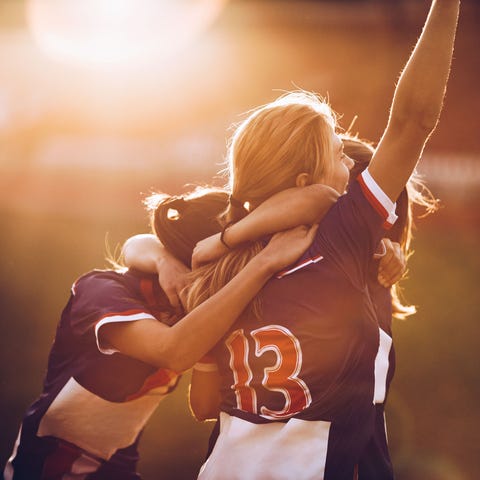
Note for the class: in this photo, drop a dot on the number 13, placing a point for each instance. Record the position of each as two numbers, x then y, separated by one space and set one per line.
281 377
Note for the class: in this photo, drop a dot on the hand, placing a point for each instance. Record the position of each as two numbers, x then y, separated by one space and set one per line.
286 247
145 253
172 277
392 265
208 250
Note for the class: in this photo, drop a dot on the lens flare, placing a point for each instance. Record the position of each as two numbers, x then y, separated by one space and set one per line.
106 33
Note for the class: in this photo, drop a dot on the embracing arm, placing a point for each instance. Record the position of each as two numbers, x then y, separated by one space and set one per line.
146 253
182 345
286 209
417 101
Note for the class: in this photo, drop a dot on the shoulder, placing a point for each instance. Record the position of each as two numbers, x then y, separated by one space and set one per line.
97 281
95 278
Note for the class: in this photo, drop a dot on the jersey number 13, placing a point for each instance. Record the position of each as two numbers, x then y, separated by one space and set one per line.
281 377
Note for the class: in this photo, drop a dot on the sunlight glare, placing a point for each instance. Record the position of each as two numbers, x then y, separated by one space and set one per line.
106 33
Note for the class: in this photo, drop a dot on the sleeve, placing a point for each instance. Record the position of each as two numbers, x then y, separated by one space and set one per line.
98 300
350 232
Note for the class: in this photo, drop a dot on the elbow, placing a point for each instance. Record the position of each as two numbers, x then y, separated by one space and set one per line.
421 119
417 125
177 365
174 363
175 359
426 121
319 200
324 193
169 357
134 248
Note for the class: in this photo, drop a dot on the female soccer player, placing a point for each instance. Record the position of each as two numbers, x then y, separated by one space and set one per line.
301 375
119 349
392 255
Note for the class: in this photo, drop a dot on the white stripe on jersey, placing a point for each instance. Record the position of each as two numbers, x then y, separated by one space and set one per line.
82 467
385 426
94 424
296 450
381 366
380 196
116 319
8 472
298 266
205 367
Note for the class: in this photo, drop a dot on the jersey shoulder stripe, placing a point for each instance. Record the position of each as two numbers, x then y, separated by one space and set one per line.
377 198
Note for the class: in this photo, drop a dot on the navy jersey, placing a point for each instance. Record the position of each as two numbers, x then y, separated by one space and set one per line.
300 385
375 462
95 400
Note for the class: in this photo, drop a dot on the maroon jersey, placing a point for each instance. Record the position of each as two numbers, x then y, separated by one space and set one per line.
95 401
300 385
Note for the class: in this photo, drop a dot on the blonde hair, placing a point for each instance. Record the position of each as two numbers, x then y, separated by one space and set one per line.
209 279
267 151
274 144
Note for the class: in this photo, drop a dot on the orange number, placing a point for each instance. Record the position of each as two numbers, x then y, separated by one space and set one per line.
281 377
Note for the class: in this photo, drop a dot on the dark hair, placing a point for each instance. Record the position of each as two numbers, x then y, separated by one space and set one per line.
181 221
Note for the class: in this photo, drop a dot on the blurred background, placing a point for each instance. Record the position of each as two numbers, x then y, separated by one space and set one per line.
104 101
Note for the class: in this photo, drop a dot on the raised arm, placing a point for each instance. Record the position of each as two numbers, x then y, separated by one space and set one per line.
417 101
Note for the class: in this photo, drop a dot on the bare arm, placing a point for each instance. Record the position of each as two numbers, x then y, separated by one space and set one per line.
417 101
286 209
204 395
179 347
145 253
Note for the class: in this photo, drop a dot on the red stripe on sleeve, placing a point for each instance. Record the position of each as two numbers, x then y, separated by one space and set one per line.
374 202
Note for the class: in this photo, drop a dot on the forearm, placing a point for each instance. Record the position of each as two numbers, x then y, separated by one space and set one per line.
417 101
197 333
180 346
421 87
287 209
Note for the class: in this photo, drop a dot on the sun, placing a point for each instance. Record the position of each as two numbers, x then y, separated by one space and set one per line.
108 33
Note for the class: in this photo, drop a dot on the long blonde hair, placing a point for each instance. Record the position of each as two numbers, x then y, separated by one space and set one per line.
209 279
267 151
276 142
